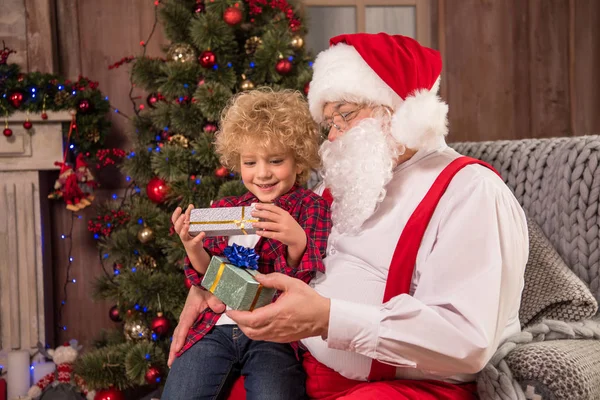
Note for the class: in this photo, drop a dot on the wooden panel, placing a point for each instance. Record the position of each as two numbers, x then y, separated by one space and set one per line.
586 60
41 43
13 30
480 74
69 61
549 66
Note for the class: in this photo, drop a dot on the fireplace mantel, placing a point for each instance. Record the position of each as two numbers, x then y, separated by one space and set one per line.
25 275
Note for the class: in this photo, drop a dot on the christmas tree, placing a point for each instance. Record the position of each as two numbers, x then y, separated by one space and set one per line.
218 48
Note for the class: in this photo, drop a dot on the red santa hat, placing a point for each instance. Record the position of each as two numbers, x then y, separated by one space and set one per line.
380 69
80 161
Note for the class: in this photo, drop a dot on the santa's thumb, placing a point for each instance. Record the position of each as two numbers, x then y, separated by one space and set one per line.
275 280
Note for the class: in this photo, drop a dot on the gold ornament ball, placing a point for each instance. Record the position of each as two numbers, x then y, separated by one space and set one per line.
179 140
182 53
252 44
297 42
247 84
136 330
145 235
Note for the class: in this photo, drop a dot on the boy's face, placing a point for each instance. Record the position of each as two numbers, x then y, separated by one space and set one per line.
268 174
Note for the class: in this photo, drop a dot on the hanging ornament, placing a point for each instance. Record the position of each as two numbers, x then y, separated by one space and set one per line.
20 77
109 394
145 235
93 136
136 330
232 16
152 99
210 127
27 124
7 132
61 97
114 315
157 190
44 116
221 172
181 53
252 44
283 66
145 262
160 325
84 106
246 84
306 88
207 59
152 376
297 42
16 98
188 283
179 140
199 7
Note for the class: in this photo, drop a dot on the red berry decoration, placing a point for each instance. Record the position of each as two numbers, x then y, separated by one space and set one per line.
207 59
16 99
210 128
283 67
27 125
7 132
84 106
160 325
109 394
221 172
199 7
152 376
44 116
152 99
157 190
114 315
232 16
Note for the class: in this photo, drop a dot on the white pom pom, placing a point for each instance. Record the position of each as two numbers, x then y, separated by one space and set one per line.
421 123
34 392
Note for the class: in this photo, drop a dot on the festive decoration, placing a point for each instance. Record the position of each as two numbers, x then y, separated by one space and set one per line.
107 157
232 16
153 98
179 140
104 224
7 132
114 314
221 172
27 125
306 88
67 188
297 42
84 106
283 66
109 394
146 262
136 330
44 116
145 235
117 267
5 53
207 59
199 7
160 325
246 84
181 53
157 190
16 98
50 387
209 127
240 256
85 180
252 44
153 376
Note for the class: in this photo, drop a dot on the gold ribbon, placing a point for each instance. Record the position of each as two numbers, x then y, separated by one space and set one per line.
256 296
217 278
240 223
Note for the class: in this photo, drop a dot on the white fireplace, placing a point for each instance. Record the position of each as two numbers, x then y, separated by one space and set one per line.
26 315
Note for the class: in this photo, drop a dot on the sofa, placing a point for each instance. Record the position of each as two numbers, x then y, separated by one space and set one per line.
557 355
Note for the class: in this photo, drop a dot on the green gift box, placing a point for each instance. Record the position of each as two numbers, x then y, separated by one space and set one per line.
235 286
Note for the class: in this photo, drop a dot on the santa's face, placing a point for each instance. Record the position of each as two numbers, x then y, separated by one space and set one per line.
339 117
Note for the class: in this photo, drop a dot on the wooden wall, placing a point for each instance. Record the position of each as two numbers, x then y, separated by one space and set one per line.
513 69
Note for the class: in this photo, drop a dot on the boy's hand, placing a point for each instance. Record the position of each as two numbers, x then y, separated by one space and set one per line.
280 225
181 223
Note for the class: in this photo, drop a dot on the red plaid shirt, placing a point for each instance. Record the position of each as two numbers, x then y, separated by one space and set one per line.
312 213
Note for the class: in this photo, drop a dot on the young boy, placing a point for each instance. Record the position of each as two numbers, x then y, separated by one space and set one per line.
271 140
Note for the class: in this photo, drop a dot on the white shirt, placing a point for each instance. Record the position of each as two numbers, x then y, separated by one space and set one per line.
466 288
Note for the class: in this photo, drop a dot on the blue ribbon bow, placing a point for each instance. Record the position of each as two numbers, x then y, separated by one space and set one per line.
241 256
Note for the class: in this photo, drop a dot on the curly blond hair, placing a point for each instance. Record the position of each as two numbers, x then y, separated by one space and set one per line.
273 120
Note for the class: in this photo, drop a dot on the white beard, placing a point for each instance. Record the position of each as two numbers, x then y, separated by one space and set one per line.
356 168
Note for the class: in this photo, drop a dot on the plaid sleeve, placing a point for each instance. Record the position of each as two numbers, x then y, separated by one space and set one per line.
315 219
213 245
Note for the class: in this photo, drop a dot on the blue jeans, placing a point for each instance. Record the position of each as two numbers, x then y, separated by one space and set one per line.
208 369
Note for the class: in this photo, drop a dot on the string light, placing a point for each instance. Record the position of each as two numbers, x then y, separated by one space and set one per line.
68 279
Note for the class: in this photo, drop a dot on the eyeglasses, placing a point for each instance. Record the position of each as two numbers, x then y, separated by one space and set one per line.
343 120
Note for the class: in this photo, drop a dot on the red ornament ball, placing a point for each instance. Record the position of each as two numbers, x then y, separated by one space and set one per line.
152 99
207 59
232 16
160 325
221 172
152 376
16 99
27 125
84 106
44 116
109 394
7 132
199 7
283 66
157 190
306 88
188 283
210 128
114 315
20 77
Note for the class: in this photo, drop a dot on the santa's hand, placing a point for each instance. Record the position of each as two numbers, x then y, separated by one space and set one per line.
197 301
298 313
278 224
